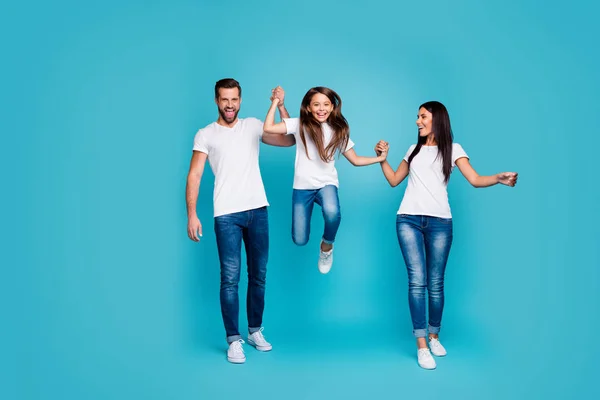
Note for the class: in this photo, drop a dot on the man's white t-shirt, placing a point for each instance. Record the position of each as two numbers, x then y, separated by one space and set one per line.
313 173
233 157
426 192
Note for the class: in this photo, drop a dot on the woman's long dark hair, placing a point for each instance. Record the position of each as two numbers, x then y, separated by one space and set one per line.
312 127
442 131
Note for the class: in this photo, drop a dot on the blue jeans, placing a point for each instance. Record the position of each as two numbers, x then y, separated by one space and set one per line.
252 227
302 207
425 243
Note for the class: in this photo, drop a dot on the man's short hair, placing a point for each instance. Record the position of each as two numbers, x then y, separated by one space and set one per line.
227 83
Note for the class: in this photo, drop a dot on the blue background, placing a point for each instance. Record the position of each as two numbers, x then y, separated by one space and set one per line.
105 297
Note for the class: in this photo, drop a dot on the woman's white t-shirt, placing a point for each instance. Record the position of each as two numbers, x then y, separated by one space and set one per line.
426 191
313 173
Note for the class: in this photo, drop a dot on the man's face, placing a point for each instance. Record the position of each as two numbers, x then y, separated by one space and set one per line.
228 103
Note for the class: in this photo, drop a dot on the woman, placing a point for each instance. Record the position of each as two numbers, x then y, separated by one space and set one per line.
424 221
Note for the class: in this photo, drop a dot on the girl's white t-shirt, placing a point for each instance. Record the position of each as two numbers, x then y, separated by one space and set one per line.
426 192
313 173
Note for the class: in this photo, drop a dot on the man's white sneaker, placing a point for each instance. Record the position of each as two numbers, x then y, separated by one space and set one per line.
425 359
235 353
436 347
325 260
257 340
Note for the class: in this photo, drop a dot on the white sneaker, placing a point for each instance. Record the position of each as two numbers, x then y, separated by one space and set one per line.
235 353
258 340
436 347
325 260
425 359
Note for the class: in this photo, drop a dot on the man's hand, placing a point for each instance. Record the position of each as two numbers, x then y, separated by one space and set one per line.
194 229
278 93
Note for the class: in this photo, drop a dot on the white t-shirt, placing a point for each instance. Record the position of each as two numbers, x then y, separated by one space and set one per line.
233 157
313 173
426 192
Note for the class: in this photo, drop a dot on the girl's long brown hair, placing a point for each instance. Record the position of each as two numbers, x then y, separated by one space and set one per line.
310 126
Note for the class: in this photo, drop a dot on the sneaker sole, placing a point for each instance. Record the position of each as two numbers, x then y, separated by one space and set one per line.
428 368
236 360
259 348
324 271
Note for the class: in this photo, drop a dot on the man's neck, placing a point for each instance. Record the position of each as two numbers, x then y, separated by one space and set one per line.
224 123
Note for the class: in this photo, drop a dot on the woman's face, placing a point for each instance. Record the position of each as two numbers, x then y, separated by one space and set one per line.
424 122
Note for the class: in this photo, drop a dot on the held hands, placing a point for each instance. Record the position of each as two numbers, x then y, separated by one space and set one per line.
278 96
381 149
508 178
194 229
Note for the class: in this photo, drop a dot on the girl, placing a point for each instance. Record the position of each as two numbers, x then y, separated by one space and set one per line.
424 221
321 132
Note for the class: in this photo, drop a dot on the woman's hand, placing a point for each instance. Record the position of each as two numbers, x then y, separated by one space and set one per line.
508 178
381 149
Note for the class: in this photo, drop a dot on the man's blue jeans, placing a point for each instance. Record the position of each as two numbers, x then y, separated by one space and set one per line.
251 227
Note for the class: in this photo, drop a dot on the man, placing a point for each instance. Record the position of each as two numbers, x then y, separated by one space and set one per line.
231 145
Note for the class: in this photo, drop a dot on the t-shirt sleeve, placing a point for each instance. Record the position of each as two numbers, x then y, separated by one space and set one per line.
409 152
291 125
199 143
457 152
257 126
349 145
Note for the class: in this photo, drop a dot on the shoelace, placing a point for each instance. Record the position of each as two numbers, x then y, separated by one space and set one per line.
237 346
424 351
325 256
258 336
434 342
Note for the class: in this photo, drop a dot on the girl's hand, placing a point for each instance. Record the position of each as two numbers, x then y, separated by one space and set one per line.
381 149
274 101
278 93
508 178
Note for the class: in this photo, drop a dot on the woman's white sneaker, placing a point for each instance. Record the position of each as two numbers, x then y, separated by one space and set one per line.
235 353
257 340
425 359
436 347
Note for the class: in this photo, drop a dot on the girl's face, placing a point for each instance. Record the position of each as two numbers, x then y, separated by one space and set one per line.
424 122
320 107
